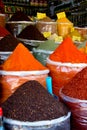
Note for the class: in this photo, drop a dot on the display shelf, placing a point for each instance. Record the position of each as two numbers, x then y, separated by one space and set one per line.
29 7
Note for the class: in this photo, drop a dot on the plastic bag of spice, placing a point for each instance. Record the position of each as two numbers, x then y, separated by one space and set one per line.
15 27
64 24
78 109
41 111
62 73
11 80
46 24
47 27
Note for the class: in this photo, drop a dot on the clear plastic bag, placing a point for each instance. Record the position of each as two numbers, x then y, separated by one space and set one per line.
78 110
15 27
62 73
62 123
11 80
47 27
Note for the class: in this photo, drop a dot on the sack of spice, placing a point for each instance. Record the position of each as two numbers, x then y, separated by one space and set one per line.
44 50
19 67
31 33
82 31
64 25
64 63
39 109
74 95
46 24
18 21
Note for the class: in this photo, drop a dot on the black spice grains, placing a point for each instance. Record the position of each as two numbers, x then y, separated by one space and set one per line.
31 33
31 102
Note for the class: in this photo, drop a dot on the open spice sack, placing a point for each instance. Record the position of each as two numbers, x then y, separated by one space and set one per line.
74 95
20 67
39 109
64 63
64 25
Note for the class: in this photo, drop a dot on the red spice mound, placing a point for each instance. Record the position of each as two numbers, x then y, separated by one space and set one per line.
3 32
68 52
22 60
77 87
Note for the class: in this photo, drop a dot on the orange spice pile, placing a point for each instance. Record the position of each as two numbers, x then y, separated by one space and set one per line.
68 52
22 60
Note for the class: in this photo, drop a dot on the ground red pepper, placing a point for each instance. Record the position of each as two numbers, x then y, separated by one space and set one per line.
77 87
68 52
3 32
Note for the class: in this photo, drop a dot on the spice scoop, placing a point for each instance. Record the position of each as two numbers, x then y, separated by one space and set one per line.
49 86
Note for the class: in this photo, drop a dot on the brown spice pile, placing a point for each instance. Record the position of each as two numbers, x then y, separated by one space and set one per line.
8 43
19 16
32 102
31 33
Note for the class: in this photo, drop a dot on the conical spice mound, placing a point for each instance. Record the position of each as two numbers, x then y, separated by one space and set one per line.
22 60
68 52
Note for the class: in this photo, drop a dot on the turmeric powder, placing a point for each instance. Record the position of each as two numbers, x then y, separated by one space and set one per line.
21 60
64 26
68 52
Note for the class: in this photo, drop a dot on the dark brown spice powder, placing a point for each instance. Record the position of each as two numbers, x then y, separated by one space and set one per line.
32 102
8 43
19 16
31 33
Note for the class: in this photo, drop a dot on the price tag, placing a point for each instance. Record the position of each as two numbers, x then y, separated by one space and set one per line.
58 39
41 15
61 15
47 34
76 38
72 29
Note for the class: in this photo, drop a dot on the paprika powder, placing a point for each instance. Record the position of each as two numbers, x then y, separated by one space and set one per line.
74 94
